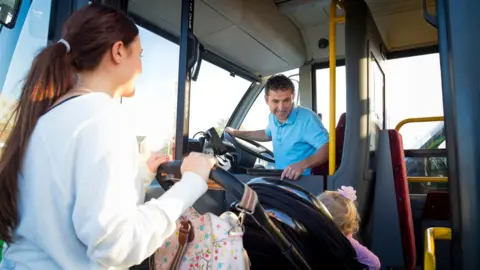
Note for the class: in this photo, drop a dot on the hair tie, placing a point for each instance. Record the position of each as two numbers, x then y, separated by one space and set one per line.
64 42
348 192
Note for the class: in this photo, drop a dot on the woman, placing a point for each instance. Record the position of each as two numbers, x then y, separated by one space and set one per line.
71 196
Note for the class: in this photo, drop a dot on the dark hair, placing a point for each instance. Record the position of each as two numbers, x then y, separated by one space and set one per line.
90 34
279 83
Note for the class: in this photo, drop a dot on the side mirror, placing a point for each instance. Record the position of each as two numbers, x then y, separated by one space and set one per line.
9 12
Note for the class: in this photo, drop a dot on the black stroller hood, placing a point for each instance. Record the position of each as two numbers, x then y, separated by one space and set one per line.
304 221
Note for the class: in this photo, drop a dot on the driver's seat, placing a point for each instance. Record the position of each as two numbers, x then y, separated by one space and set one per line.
340 136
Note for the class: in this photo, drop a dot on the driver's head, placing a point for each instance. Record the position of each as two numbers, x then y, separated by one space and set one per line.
279 95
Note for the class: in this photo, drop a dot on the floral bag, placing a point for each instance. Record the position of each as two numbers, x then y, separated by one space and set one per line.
207 242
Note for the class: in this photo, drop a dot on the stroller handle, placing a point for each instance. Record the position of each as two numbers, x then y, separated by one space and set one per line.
236 188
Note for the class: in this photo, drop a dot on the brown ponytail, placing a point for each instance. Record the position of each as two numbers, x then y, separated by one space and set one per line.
90 33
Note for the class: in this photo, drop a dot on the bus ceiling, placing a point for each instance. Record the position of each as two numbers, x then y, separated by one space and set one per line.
268 37
252 38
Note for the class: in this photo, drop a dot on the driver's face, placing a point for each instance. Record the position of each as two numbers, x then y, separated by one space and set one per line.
280 102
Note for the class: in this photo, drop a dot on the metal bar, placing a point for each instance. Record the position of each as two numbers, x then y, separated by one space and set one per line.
432 234
324 65
425 153
313 77
184 77
333 75
418 120
412 52
232 68
456 251
426 179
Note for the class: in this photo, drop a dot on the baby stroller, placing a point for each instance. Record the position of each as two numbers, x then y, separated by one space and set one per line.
289 229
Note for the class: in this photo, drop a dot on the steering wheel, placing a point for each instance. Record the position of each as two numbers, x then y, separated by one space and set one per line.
236 188
251 147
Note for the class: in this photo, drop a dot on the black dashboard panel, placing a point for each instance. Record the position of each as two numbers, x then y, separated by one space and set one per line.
264 172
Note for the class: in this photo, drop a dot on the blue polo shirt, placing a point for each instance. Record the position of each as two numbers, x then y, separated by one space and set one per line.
297 138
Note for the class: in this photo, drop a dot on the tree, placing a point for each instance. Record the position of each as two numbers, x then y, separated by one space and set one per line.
221 124
6 111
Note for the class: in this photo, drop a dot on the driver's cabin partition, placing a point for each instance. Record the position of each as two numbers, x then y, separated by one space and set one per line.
367 162
365 118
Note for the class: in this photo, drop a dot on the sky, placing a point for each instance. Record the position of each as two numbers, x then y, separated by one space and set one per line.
413 86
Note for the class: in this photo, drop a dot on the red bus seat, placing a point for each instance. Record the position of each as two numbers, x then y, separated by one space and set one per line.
340 136
437 206
403 199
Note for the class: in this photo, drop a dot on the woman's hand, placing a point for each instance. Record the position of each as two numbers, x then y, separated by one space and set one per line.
155 160
199 164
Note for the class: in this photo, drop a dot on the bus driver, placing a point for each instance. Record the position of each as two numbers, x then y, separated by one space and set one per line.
300 141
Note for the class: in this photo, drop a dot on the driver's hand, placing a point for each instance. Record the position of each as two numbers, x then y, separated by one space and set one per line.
230 131
293 171
199 164
155 160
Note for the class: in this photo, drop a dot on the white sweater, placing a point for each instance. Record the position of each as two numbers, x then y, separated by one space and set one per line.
81 193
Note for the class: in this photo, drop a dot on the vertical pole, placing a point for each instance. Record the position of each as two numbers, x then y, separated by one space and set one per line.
184 78
458 24
334 19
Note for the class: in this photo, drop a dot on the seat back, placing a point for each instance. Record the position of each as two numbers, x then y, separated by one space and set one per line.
403 199
340 138
436 213
437 206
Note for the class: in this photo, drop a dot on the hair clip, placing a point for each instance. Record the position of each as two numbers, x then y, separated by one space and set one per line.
348 192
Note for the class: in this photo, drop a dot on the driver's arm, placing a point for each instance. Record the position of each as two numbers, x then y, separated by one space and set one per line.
318 158
255 135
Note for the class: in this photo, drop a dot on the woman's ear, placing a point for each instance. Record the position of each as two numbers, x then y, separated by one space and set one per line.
118 52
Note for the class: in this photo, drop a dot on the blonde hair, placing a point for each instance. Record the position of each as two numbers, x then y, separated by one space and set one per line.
344 211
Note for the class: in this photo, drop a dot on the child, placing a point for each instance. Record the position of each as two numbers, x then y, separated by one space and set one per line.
341 205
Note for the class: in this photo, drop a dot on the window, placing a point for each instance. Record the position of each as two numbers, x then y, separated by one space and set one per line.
153 108
257 117
376 91
213 98
415 90
323 94
19 46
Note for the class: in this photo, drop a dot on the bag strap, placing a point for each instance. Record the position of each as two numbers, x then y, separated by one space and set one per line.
186 235
68 96
249 200
61 102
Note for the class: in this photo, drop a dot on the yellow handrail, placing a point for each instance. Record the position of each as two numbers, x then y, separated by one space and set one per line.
432 234
334 19
422 120
424 179
418 120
